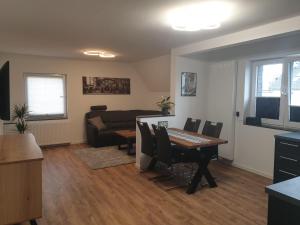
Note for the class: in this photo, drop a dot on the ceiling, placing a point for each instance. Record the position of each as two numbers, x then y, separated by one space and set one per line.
134 29
279 45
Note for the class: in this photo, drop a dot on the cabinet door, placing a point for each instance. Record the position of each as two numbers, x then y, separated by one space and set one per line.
20 191
287 160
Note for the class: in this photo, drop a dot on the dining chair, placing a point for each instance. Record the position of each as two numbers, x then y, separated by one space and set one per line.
174 156
148 145
192 125
154 127
212 129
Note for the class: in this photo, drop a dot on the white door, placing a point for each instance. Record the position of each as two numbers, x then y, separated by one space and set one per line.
221 99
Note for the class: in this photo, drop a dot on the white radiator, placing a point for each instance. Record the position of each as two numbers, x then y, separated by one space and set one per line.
46 132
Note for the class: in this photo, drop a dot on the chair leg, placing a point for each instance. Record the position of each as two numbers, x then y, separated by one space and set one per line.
164 177
152 164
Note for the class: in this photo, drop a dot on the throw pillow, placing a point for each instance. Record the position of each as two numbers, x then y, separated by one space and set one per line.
97 122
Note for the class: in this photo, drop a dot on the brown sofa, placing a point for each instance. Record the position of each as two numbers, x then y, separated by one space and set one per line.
113 120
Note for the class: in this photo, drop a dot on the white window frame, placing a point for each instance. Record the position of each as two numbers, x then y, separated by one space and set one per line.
255 65
284 114
287 122
50 116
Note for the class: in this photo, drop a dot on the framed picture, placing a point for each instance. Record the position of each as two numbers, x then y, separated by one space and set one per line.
105 86
188 84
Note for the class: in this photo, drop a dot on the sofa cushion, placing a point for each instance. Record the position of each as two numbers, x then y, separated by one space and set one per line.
120 115
97 122
116 116
121 125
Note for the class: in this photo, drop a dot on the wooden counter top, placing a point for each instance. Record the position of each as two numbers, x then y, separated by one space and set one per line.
19 148
192 145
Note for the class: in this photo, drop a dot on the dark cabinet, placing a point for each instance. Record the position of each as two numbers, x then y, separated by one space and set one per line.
284 202
287 156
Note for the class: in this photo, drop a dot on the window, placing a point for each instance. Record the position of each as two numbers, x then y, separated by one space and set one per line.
268 90
276 92
46 96
269 80
294 91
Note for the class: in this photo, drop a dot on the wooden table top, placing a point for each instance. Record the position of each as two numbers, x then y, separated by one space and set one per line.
19 148
126 133
192 145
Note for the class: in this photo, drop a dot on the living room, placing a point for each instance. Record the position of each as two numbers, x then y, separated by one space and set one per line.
173 112
78 103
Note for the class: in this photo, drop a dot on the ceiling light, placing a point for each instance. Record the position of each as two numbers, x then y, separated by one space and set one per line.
100 53
106 55
207 15
95 53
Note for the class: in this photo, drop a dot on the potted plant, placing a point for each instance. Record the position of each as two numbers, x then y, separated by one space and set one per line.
165 105
21 115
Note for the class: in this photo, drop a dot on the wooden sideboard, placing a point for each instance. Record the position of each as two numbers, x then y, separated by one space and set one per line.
20 179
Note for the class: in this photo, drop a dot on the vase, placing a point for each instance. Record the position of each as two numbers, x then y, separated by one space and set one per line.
165 111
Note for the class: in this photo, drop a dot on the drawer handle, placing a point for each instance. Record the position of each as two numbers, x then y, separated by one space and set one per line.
287 158
288 173
289 144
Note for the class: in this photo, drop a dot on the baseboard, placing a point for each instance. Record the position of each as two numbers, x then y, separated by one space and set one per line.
55 145
270 176
82 141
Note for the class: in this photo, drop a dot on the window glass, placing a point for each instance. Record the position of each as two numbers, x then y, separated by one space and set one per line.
269 80
295 84
46 96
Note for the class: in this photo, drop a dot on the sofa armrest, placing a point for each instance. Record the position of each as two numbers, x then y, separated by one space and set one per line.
92 134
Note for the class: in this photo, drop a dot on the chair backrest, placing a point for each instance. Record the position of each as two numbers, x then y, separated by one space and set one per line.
192 125
212 129
164 149
154 127
147 139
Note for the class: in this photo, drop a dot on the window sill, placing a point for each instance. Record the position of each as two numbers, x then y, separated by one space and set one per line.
273 127
46 119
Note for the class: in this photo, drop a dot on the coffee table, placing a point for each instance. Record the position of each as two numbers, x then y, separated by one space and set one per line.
130 136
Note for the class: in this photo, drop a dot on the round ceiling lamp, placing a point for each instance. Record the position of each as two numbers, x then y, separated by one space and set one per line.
202 16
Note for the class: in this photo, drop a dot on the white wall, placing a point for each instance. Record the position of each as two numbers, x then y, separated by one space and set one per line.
251 148
215 98
155 72
254 146
223 88
220 102
78 104
190 106
254 150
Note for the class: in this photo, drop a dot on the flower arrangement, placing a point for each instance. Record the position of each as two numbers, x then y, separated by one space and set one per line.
165 105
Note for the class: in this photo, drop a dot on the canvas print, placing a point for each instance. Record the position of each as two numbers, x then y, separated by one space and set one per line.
105 86
188 84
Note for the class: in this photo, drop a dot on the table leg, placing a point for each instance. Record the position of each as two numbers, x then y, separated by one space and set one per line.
205 158
196 179
211 181
130 150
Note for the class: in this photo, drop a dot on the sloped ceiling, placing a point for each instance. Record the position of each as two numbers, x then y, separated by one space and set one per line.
155 73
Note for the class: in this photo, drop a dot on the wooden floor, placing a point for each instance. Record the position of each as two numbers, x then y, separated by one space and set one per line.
74 194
